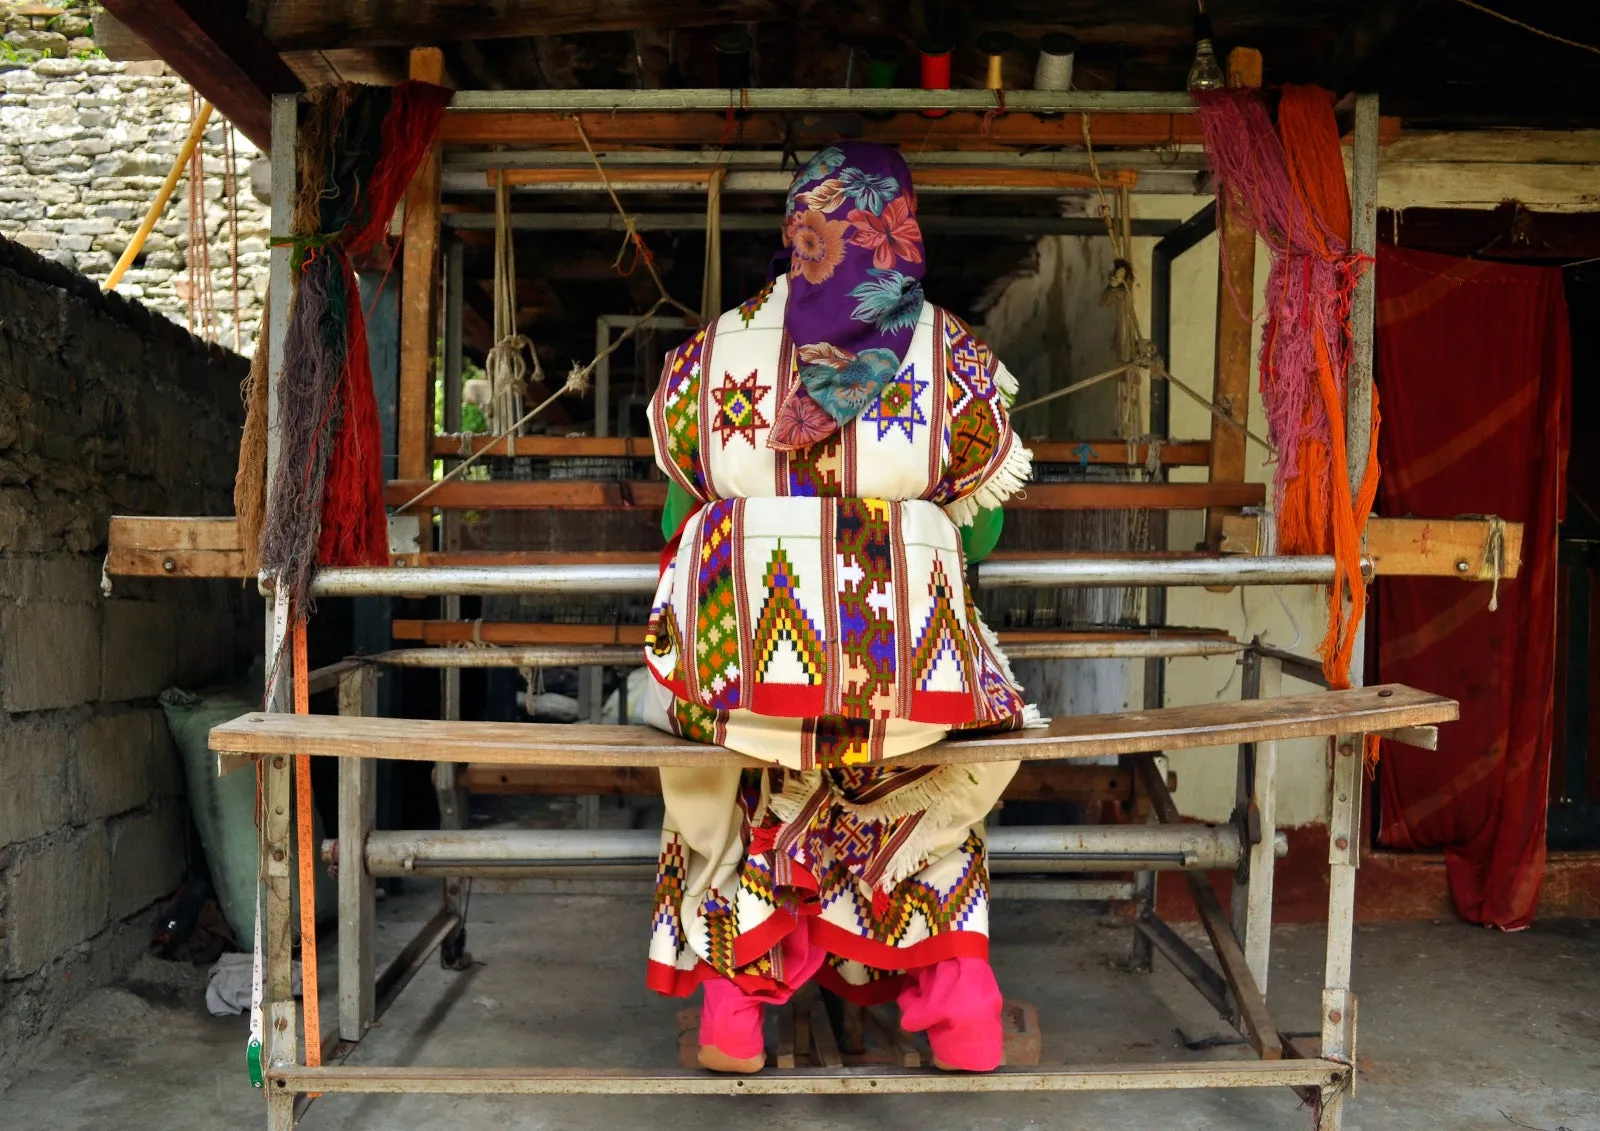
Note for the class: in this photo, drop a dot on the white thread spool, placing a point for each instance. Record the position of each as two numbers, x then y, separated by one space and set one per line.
1054 70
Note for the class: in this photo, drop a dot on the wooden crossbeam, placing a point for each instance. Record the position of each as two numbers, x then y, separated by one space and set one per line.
1178 453
578 494
1356 711
209 547
452 1080
219 53
956 130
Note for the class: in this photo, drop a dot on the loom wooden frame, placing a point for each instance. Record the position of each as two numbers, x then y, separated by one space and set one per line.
1325 1077
1235 984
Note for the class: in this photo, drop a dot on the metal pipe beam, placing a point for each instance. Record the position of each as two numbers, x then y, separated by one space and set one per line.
793 99
1039 573
521 852
1044 573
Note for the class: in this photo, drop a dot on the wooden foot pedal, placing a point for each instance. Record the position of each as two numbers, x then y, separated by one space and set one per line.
806 1039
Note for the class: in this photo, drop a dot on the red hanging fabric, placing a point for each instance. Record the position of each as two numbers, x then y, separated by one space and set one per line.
1475 368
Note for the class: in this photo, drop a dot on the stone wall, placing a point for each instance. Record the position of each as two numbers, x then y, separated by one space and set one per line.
85 143
104 408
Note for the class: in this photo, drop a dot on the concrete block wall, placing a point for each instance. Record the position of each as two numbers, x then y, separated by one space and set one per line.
84 144
105 408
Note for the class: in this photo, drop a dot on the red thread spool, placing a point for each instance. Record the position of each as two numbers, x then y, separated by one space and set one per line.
935 71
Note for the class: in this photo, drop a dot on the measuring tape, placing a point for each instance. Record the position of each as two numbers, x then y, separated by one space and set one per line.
252 1051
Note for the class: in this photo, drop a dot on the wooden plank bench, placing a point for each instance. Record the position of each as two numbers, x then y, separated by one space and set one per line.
1236 983
1362 710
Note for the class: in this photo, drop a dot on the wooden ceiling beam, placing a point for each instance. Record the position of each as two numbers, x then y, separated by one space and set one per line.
217 53
321 24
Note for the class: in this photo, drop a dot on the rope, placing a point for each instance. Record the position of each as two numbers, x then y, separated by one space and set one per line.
1078 387
231 187
505 364
633 233
1494 557
201 303
711 287
1514 22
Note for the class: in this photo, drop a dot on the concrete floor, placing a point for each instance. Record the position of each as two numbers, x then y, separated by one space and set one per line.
1460 1028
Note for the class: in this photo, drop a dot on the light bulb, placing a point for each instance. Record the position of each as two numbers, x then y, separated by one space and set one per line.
1206 73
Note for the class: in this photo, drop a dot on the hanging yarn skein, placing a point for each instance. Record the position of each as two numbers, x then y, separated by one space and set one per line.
358 148
1288 181
505 365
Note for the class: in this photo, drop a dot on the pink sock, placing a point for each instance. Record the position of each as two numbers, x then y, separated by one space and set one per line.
730 1019
957 1002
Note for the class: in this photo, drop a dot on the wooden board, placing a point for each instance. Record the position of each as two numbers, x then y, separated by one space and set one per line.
546 447
957 130
174 547
418 283
528 557
506 633
1359 710
539 494
1439 547
1410 547
579 494
1178 453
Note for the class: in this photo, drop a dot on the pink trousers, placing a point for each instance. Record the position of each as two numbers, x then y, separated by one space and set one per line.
956 1002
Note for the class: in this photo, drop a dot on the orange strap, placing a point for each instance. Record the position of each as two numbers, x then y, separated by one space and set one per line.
305 857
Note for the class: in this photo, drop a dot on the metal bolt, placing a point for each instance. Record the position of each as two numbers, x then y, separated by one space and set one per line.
168 565
1462 565
1335 1016
1345 750
281 1024
277 763
1342 843
277 854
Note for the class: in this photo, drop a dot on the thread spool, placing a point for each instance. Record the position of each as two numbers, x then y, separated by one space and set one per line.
1054 70
733 59
884 59
995 44
935 70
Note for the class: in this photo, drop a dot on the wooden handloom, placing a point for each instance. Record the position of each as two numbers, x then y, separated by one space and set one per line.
1235 984
487 757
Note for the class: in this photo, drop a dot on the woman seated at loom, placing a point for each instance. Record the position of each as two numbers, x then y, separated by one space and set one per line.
838 450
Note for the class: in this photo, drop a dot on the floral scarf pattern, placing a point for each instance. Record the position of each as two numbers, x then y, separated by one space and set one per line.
855 285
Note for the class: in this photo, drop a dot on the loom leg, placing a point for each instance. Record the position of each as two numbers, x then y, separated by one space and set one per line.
457 890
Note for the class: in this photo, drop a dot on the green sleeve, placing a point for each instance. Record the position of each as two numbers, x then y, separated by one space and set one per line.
680 504
979 539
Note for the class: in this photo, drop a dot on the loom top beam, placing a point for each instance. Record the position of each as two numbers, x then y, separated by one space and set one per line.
796 99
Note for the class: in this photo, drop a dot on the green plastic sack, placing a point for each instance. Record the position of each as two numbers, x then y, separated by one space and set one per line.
223 809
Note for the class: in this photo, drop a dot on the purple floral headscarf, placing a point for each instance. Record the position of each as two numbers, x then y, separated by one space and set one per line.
855 285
